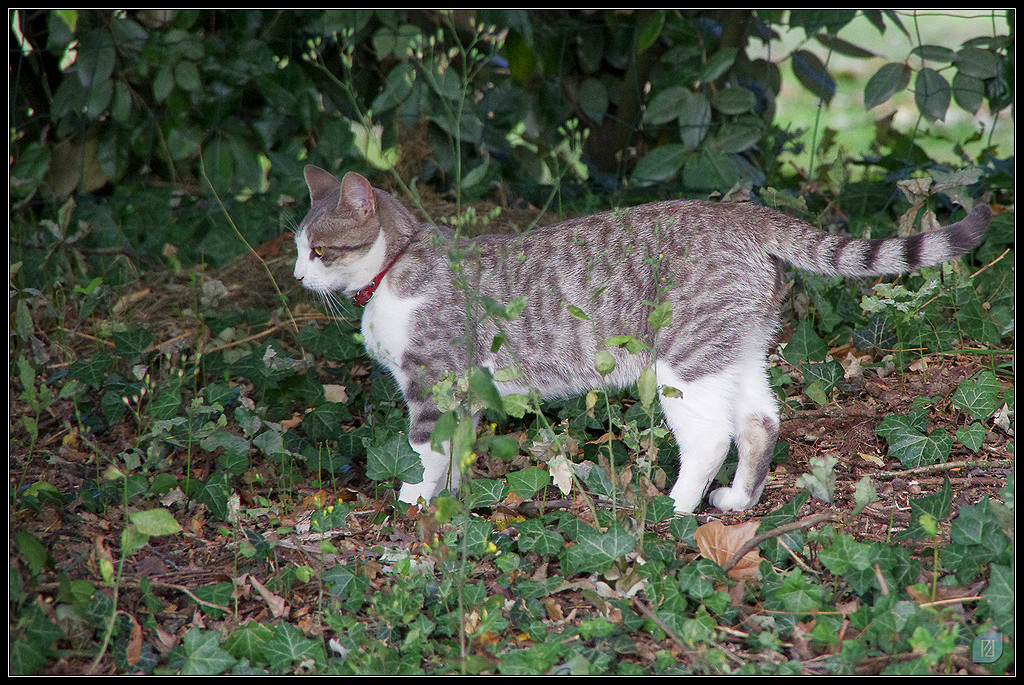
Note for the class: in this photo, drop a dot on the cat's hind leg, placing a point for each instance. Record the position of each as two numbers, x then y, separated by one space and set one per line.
756 430
700 416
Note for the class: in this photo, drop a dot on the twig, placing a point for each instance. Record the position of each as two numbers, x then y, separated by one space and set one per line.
948 466
753 542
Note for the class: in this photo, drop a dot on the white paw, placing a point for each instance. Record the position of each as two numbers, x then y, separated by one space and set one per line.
731 499
686 500
411 493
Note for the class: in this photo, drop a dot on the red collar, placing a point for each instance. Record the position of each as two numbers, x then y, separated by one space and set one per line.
364 295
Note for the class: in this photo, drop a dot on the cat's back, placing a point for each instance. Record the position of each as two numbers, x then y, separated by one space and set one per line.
623 242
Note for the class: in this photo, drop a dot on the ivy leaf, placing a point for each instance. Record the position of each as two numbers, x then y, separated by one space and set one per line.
287 646
534 536
923 510
203 655
804 345
973 437
394 459
597 551
978 396
910 445
526 482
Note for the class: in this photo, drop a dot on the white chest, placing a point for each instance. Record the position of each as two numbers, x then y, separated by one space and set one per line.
387 326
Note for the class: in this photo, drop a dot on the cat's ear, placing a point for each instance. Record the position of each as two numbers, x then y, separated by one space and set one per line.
357 196
321 183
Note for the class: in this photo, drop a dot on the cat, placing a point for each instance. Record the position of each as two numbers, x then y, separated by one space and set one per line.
586 280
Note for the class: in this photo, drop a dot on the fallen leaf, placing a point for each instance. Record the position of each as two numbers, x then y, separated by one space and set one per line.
277 605
719 542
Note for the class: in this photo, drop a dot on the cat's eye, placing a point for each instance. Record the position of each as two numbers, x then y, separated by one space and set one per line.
318 251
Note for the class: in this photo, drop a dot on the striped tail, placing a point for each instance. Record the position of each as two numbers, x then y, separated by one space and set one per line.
812 250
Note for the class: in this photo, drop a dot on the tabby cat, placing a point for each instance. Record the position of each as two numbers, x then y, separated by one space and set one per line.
586 280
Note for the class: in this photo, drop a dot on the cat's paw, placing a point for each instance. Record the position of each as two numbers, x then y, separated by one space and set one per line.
412 493
731 499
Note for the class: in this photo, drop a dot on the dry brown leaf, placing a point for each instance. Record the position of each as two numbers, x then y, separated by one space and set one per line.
335 393
719 542
277 605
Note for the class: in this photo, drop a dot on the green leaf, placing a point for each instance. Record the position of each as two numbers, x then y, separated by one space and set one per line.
31 643
664 105
929 508
481 385
1000 595
796 594
739 135
934 53
736 100
186 75
96 58
647 387
661 316
526 482
163 83
837 44
394 459
577 313
718 64
932 93
594 99
972 438
968 92
804 345
596 551
630 343
978 396
821 480
694 118
604 362
886 82
825 374
710 169
535 536
487 492
649 29
203 655
31 550
247 640
812 74
910 445
660 164
977 62
286 646
154 522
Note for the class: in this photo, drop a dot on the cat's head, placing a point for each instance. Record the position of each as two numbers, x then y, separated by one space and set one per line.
341 243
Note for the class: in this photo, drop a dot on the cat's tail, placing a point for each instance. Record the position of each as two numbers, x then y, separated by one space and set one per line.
812 250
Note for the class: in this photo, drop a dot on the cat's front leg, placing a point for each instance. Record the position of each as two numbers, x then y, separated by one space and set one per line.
439 474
